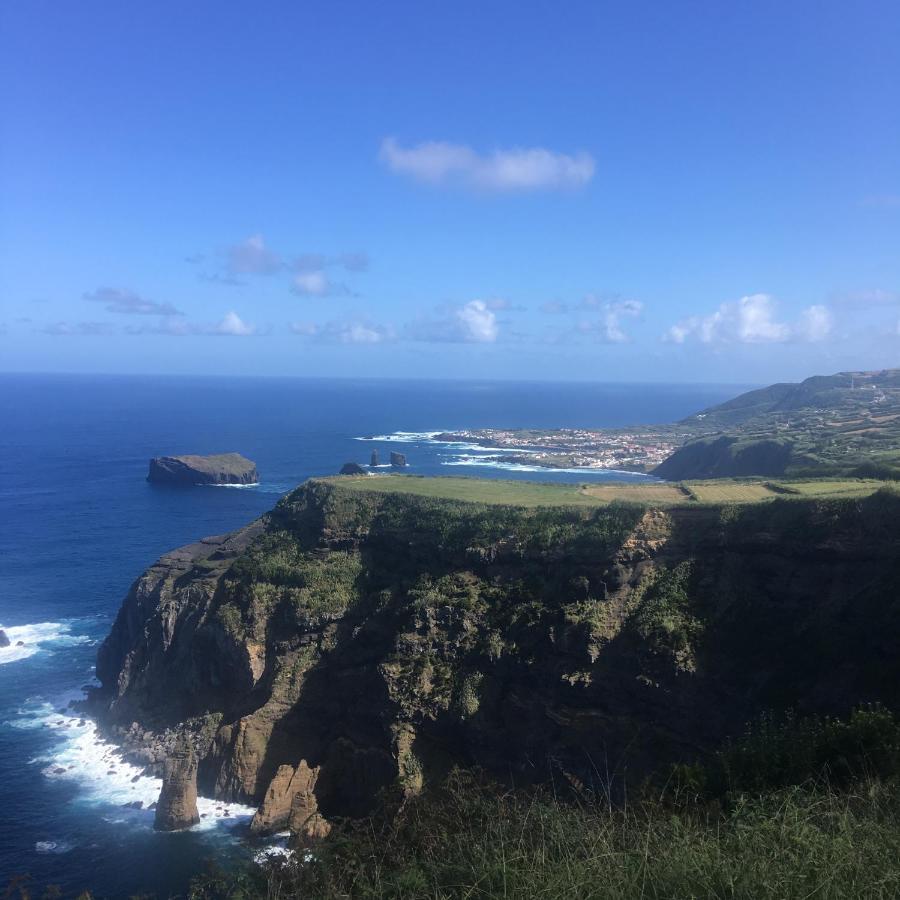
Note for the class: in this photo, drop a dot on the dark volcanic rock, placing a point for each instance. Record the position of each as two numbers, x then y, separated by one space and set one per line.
222 468
4 640
398 460
352 469
177 805
374 460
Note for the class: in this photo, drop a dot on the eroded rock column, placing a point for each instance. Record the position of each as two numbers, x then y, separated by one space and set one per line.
177 805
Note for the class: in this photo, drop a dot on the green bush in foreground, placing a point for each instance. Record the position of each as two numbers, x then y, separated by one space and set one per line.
805 808
468 840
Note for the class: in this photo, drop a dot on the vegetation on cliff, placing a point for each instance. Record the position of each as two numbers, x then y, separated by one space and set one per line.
375 640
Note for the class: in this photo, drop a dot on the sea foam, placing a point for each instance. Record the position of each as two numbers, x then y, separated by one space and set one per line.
106 778
35 638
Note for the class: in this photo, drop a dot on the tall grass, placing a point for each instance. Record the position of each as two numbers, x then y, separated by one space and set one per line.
468 840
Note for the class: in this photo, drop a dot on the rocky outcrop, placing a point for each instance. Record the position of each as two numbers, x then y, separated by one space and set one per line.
177 804
290 803
352 642
352 468
373 460
222 468
4 640
398 460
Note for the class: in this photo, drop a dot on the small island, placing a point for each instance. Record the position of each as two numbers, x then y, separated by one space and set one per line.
221 468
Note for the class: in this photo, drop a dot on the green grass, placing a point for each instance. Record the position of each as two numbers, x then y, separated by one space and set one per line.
537 494
472 841
728 491
826 487
475 490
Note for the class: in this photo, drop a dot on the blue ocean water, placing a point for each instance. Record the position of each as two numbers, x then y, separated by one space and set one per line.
79 522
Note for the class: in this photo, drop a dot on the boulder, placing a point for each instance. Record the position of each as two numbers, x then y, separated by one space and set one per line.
398 460
4 640
177 805
352 468
221 468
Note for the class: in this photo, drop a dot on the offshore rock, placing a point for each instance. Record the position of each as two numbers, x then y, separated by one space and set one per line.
222 468
4 640
352 468
177 804
374 459
398 460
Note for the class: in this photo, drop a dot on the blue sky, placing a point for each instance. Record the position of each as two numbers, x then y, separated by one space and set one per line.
655 191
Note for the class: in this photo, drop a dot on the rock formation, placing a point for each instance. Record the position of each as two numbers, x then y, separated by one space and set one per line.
352 468
223 468
373 462
354 641
4 640
290 802
398 460
177 804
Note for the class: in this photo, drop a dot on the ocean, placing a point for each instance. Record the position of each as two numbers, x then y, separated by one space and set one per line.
79 522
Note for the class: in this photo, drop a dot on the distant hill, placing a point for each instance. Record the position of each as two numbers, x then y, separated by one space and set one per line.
847 423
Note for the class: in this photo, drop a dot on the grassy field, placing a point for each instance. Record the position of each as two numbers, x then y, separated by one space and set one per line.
533 493
847 487
652 492
476 490
728 491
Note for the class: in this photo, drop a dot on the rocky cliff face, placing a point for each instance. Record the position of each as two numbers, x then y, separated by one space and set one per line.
222 468
352 641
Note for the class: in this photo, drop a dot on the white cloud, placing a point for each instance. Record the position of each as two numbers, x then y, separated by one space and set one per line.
352 332
252 257
314 283
472 323
525 169
608 329
478 323
233 325
751 320
130 303
815 323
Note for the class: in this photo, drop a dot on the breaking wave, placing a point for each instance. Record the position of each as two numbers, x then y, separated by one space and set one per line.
26 640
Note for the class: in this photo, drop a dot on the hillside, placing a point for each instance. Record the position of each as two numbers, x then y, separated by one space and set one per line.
358 640
844 424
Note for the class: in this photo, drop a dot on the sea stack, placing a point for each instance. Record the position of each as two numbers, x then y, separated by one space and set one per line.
177 805
398 460
374 461
221 468
4 640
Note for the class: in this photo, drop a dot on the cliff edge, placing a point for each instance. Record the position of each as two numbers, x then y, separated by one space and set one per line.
354 640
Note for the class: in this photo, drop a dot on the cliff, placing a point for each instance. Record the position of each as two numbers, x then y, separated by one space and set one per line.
355 640
222 468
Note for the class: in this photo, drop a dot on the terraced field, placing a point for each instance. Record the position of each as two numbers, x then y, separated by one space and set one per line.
534 494
848 487
727 491
652 492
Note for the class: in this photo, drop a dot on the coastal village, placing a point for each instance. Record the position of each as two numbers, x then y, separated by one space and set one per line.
638 451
